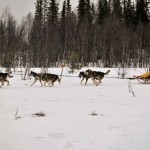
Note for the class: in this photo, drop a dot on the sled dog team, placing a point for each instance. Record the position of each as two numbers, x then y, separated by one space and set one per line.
50 79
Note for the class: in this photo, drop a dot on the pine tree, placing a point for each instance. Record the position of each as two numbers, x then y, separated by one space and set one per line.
93 12
63 21
128 13
88 11
117 9
142 11
38 32
63 12
38 19
45 9
53 12
81 10
103 10
68 8
84 11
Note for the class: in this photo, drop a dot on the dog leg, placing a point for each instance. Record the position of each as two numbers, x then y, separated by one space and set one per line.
1 84
99 81
94 81
40 82
49 84
34 82
82 80
86 81
52 83
7 82
4 82
45 84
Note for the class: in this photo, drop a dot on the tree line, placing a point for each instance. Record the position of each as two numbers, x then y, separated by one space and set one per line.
109 33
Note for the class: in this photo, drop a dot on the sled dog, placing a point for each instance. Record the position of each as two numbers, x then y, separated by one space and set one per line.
3 78
37 76
50 78
96 76
46 77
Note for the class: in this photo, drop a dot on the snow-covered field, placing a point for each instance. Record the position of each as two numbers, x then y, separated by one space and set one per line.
122 121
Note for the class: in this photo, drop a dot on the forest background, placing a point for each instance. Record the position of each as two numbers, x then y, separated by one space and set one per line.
109 33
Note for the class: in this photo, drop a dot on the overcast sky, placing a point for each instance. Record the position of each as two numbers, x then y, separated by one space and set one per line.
21 8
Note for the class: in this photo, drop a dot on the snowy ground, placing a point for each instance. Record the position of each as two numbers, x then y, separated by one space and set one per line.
122 121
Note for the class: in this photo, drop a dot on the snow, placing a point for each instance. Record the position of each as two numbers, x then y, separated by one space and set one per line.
122 121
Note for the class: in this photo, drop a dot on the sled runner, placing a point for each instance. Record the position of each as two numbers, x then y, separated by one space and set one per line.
144 78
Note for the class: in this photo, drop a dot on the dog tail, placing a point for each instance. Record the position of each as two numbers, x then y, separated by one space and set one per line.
59 80
107 72
8 74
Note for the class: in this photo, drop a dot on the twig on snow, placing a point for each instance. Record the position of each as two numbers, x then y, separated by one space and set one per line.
130 88
39 114
16 114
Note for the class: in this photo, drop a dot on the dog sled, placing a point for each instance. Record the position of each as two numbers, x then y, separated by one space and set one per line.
144 78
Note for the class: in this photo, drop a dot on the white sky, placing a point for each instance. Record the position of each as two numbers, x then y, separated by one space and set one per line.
21 8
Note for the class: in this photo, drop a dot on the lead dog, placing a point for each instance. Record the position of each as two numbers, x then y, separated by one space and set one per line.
3 78
96 76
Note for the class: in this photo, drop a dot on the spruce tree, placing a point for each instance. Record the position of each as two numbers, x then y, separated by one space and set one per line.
84 11
93 12
45 9
63 12
142 11
38 19
81 10
128 13
53 12
117 9
37 32
88 11
68 8
63 21
103 10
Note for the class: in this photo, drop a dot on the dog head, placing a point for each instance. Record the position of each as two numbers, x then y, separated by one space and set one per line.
81 74
31 73
88 72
